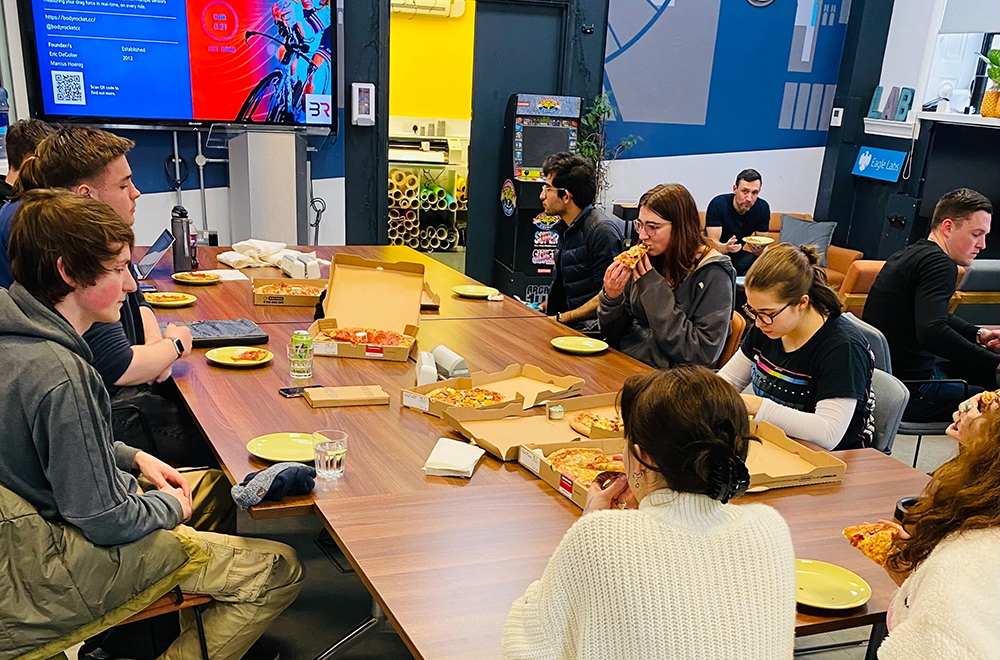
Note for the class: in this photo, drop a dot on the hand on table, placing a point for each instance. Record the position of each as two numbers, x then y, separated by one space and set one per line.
165 478
752 402
615 278
616 495
181 332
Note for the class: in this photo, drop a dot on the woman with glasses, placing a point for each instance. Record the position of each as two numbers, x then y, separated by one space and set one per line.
811 370
676 305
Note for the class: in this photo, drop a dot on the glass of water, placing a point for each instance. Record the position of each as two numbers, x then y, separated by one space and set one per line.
300 361
330 449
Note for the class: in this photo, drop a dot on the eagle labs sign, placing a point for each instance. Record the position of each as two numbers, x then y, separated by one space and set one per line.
883 164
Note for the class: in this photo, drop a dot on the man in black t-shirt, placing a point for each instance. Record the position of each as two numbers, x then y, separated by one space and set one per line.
732 217
909 300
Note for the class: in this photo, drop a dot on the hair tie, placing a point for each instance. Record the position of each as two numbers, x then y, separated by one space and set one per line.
728 478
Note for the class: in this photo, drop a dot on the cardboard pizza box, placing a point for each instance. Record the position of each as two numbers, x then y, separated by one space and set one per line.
379 295
354 395
277 300
534 457
529 384
429 301
501 430
777 461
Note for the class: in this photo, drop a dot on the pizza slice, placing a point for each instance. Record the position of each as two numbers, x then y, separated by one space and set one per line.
988 398
874 540
584 423
475 397
630 257
249 355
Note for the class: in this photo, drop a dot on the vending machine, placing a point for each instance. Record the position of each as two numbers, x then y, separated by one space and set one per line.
535 127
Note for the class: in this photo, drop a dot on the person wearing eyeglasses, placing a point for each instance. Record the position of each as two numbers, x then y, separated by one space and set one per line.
676 305
811 369
588 240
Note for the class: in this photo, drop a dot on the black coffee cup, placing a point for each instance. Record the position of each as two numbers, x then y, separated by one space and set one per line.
902 506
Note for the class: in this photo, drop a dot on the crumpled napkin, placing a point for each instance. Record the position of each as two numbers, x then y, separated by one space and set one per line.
253 253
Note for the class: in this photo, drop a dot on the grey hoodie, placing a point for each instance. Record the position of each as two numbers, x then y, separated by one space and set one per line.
662 327
56 448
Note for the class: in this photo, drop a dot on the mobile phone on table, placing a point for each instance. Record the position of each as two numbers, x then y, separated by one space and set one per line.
292 392
146 288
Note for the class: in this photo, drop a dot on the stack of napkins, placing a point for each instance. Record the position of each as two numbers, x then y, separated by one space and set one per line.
451 458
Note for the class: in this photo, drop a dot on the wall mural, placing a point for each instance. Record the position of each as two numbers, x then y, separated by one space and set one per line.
713 76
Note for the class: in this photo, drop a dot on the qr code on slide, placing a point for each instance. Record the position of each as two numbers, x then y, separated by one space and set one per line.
68 87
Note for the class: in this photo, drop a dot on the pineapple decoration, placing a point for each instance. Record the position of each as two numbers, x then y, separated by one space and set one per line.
991 98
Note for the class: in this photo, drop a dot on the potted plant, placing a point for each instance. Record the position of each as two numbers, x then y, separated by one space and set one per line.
593 142
990 106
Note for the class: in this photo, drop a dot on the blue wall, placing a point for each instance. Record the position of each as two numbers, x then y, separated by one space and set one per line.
741 85
152 148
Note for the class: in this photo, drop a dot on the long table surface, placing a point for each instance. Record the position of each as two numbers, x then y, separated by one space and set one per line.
446 567
388 444
234 299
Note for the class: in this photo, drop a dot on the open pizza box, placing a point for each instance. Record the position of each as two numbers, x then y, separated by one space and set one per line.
376 295
777 461
281 300
501 430
528 384
429 301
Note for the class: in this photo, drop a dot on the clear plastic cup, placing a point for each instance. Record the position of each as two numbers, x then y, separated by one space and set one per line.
330 450
300 360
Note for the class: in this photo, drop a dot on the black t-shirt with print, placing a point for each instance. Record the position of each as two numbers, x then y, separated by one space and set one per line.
836 363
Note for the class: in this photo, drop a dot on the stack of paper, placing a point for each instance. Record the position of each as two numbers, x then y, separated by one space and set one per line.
451 458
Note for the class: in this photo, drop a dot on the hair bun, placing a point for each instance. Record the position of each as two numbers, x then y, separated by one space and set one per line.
810 252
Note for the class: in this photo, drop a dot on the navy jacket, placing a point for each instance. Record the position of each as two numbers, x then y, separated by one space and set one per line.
586 249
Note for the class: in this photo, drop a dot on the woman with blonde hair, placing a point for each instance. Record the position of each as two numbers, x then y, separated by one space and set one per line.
947 561
676 305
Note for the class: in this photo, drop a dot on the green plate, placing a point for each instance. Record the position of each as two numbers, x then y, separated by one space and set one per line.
758 240
828 586
226 356
579 345
473 291
280 447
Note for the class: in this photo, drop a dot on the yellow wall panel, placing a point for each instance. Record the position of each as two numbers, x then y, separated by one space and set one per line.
430 65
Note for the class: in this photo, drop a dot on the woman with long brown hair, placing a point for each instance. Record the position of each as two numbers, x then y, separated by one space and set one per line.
676 305
947 561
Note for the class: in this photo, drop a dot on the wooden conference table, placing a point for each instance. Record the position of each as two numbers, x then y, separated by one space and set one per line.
445 558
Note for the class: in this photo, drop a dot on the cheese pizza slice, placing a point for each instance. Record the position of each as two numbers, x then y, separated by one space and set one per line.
630 257
874 540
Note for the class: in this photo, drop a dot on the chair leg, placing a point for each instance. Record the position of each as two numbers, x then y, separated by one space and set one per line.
879 633
916 450
202 642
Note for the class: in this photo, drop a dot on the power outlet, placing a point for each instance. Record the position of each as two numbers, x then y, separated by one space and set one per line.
837 117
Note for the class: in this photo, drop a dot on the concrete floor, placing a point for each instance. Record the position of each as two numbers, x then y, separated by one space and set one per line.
333 603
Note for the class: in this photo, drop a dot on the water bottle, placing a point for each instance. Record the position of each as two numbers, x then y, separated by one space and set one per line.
180 227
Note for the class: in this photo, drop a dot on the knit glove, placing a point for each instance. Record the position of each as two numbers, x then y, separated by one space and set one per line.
274 483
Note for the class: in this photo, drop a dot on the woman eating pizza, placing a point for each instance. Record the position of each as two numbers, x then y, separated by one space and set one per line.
811 370
675 304
948 603
671 576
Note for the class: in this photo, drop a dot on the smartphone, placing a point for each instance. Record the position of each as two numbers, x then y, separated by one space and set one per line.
144 288
292 392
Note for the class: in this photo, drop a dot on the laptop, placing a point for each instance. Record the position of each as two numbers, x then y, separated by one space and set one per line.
156 251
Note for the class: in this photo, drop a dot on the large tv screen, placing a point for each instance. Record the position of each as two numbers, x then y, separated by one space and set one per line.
181 62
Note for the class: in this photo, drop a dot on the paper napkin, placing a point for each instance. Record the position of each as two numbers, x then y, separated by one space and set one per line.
451 458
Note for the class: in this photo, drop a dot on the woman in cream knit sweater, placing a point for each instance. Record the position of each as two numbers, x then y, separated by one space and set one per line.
682 574
948 559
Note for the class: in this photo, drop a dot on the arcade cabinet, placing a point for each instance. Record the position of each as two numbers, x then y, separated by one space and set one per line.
535 127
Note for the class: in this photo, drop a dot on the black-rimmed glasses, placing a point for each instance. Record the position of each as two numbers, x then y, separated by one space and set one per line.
767 318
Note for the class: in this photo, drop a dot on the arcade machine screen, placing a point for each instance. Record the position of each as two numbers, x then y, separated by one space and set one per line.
540 142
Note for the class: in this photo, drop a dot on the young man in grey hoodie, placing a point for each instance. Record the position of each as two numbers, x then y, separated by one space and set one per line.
69 255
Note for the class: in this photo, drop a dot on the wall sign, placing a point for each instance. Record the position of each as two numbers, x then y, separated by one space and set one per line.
882 164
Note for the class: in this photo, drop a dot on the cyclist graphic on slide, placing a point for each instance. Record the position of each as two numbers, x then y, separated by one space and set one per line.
280 96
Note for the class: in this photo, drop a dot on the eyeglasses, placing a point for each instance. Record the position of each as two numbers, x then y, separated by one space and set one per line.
767 318
651 228
547 187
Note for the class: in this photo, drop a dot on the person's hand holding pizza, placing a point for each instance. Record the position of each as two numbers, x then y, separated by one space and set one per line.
611 496
615 278
898 578
642 267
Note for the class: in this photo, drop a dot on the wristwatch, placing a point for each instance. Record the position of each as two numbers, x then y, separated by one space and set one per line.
979 336
559 317
178 344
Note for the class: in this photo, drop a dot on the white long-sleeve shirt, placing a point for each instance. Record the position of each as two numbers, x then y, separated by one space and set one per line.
684 576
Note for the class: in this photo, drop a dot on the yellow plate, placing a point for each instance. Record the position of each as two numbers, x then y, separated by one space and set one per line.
169 299
473 291
280 447
224 356
196 279
831 587
579 345
758 240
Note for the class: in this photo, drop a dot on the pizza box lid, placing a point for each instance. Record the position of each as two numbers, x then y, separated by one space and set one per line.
534 457
429 300
500 430
527 383
777 461
352 395
382 295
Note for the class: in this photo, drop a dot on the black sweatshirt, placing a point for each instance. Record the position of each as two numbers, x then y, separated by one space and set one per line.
909 303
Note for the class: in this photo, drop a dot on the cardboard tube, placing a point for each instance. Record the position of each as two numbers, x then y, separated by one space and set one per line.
413 242
441 204
426 205
442 232
411 182
408 223
397 176
435 243
393 234
393 214
397 194
411 215
453 206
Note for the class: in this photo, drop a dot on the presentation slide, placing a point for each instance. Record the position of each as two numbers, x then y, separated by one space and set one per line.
241 61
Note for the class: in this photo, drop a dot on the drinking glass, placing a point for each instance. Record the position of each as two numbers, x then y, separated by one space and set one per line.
330 449
300 361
